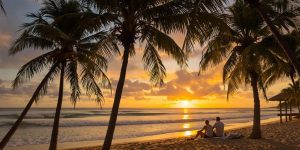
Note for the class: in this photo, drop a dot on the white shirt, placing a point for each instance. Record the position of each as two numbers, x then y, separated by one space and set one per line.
219 128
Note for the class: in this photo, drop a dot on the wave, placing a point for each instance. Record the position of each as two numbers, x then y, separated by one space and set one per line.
80 123
42 115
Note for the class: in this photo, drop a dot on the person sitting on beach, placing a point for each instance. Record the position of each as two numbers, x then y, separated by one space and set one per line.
208 131
219 127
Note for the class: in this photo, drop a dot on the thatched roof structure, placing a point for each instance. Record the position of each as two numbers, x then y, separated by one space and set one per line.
279 97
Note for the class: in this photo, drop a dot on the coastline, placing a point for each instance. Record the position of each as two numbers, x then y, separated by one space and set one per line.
82 145
275 136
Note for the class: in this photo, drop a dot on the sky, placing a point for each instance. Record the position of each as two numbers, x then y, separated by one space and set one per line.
183 88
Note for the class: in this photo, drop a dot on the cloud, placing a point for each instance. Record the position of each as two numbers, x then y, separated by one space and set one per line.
5 40
134 89
184 85
190 86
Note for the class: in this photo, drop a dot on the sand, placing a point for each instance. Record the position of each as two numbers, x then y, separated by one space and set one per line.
276 136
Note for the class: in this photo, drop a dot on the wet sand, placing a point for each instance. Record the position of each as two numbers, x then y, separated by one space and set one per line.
285 136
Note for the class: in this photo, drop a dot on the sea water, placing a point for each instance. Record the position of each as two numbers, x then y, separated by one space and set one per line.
90 124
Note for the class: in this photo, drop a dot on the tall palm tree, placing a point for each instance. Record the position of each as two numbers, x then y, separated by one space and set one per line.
294 93
149 22
289 53
75 48
246 55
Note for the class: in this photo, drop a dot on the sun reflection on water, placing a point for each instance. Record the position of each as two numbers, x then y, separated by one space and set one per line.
186 126
185 111
185 117
187 133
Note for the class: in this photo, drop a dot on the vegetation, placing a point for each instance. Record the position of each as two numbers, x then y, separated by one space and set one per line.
150 22
245 48
60 29
294 93
79 36
282 6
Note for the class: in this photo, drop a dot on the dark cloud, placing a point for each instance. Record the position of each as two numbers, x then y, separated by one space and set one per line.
131 88
27 89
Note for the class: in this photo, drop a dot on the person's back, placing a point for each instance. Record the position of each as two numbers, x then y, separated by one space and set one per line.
209 131
219 126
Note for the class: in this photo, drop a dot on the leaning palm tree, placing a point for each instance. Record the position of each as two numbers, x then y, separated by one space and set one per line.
76 50
294 93
149 22
260 8
246 56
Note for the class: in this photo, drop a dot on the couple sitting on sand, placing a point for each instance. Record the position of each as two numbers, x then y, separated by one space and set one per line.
208 129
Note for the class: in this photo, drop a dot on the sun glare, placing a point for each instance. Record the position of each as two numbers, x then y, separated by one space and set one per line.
186 125
187 133
185 104
185 117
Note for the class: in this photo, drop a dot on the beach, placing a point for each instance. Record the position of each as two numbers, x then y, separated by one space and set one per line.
88 126
275 136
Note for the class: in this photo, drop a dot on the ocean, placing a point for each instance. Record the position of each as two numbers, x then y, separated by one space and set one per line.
89 124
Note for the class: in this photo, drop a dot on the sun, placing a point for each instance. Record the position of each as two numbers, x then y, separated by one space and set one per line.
185 104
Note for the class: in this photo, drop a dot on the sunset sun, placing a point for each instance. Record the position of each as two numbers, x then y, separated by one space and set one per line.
185 104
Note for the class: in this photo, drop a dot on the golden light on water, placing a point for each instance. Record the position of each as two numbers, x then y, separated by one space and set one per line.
186 117
186 126
187 133
185 111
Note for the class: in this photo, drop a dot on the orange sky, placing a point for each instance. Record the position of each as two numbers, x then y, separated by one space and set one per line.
183 88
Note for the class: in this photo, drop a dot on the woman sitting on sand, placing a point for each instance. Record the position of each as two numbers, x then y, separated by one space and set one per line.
208 131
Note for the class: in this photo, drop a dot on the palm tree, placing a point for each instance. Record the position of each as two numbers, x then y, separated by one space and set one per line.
294 93
149 22
76 49
283 68
245 52
289 53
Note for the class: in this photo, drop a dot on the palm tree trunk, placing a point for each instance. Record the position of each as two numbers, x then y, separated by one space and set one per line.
290 117
16 125
53 142
298 106
117 100
276 34
11 132
256 132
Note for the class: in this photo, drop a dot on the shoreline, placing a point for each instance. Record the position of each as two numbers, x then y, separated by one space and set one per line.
152 138
275 136
182 135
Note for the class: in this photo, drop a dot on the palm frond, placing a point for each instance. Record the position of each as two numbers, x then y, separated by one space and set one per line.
2 7
153 64
33 67
27 40
165 43
72 76
42 88
91 86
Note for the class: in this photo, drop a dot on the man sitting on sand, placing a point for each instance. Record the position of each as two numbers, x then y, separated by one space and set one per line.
208 131
219 126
